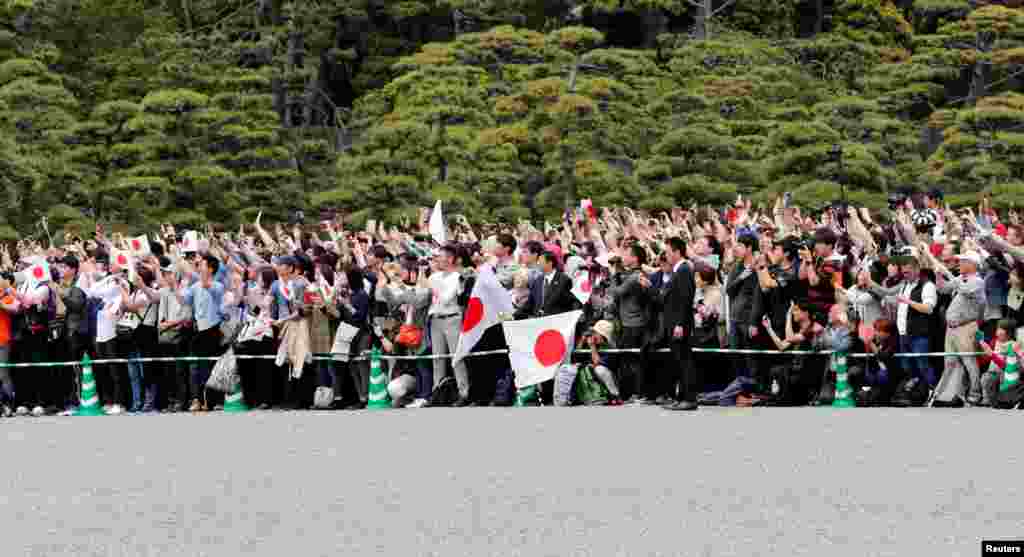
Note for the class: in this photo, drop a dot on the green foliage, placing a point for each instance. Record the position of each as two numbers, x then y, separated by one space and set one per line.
142 112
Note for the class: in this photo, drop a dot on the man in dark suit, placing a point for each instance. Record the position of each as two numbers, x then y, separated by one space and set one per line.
677 325
550 293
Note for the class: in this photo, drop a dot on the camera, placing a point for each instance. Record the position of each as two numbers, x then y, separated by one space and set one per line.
896 200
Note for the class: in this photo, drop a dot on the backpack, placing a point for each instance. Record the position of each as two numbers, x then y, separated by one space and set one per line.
87 326
446 393
589 390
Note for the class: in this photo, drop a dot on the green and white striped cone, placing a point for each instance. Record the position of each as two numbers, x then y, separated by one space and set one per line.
90 401
1011 374
234 402
844 394
378 392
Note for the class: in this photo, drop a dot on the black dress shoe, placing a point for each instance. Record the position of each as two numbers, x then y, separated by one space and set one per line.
684 406
462 403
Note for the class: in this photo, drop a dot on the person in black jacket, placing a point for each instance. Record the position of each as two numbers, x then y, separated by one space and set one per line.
678 326
75 341
745 308
551 293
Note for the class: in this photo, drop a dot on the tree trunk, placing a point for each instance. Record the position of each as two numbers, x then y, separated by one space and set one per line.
981 74
819 19
575 71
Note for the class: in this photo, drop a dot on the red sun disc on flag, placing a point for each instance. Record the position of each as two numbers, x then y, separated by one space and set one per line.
474 314
122 260
586 286
136 245
550 348
37 272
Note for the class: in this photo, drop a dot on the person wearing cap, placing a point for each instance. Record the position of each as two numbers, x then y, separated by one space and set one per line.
962 316
600 338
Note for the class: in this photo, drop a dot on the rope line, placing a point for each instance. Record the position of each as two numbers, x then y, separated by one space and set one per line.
365 356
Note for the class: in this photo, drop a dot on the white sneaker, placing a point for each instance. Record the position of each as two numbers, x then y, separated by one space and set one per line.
21 411
69 412
106 408
38 411
115 410
6 411
418 403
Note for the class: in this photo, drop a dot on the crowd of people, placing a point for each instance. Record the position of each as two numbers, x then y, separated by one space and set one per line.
918 278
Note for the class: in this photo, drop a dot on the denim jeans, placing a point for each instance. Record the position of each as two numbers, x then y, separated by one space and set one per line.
136 377
917 367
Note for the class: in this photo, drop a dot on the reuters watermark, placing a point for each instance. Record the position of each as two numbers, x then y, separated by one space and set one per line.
991 548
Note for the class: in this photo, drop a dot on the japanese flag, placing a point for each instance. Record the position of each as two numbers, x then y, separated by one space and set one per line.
437 231
588 208
123 260
139 246
38 271
190 242
537 347
581 285
487 301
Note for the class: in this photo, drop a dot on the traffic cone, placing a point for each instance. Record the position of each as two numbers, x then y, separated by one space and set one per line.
527 396
1011 374
90 401
233 402
378 392
844 394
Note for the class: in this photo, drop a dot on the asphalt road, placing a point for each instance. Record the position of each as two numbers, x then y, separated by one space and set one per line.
514 481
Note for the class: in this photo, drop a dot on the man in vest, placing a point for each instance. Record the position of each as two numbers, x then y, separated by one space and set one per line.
915 299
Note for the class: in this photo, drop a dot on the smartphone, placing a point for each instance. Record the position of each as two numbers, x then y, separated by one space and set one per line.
787 199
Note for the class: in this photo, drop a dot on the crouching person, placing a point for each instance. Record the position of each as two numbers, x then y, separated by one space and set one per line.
600 337
993 377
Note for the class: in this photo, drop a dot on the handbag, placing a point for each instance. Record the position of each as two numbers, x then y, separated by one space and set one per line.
229 330
409 335
224 376
323 398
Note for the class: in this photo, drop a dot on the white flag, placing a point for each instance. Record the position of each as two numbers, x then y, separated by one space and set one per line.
139 246
190 242
487 301
538 347
581 286
437 231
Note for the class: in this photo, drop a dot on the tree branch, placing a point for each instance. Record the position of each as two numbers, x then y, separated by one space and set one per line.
724 6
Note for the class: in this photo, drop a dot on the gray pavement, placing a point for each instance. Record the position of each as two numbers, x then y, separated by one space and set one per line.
531 481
